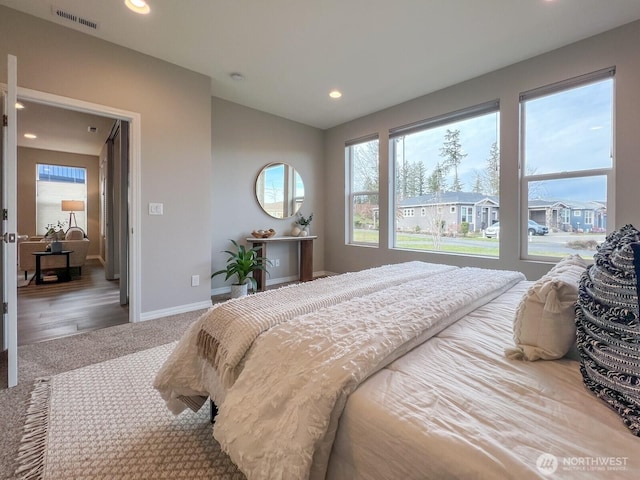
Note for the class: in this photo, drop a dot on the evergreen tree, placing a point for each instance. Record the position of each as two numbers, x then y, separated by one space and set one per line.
436 182
493 170
452 153
478 183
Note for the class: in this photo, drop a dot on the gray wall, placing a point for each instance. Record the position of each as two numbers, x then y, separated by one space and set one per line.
618 47
244 141
175 109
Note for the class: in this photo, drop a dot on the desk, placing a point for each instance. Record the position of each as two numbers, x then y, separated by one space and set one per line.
305 257
67 272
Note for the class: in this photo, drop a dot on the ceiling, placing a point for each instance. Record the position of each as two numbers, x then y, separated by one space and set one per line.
62 130
291 53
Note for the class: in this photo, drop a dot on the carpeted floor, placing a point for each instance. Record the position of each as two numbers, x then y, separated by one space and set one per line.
106 421
64 354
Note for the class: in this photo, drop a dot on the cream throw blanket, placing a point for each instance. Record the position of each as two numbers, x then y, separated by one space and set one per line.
280 418
230 328
215 345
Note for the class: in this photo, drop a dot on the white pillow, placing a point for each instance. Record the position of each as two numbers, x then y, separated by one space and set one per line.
544 327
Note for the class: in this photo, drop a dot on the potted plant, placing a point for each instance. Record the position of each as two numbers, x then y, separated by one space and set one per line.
302 225
241 263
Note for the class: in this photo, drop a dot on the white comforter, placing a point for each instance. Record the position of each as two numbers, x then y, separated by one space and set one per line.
209 357
455 407
279 419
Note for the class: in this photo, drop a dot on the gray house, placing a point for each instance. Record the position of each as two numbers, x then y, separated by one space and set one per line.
569 215
449 209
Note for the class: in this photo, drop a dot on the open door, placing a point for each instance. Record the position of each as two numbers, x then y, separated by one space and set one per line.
117 208
8 255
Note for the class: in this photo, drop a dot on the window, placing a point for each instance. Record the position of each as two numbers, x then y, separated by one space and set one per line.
588 217
567 164
440 163
408 212
363 178
423 212
55 183
466 214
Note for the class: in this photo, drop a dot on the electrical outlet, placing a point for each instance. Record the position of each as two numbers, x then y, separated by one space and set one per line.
276 262
195 280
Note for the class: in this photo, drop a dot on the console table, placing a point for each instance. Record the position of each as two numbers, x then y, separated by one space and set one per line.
305 257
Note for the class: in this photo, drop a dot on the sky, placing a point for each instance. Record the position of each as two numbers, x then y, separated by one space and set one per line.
566 131
274 183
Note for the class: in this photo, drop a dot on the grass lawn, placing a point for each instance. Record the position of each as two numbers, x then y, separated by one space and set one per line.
471 245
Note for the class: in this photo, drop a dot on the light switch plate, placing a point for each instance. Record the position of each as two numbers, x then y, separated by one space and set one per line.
156 209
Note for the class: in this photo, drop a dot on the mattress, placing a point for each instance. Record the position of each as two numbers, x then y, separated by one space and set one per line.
456 407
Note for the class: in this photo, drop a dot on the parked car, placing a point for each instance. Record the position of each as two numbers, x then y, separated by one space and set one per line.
533 228
492 231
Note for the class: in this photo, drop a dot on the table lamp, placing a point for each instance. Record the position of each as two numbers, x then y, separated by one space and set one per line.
73 206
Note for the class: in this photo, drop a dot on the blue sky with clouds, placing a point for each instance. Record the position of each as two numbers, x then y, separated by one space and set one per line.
570 130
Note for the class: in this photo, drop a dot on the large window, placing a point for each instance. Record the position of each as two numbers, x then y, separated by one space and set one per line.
566 141
55 183
363 187
448 167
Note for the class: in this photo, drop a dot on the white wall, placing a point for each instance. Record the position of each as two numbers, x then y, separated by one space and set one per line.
618 47
243 141
175 109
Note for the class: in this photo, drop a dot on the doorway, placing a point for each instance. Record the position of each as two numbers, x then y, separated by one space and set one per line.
127 238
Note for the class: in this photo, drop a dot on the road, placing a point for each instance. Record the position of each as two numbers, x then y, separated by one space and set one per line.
554 243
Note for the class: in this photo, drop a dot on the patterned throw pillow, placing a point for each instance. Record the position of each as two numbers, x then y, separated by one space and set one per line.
608 326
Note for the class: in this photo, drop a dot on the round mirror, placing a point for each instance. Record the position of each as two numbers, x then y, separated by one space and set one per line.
279 190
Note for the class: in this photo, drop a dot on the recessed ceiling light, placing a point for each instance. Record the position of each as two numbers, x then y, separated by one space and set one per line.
19 106
138 6
30 136
236 76
335 94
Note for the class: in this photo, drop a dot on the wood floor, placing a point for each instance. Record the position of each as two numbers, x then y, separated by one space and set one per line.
87 302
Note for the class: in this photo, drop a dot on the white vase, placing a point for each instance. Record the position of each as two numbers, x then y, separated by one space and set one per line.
295 231
238 291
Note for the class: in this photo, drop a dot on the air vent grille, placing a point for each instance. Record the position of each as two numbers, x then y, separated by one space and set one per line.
74 18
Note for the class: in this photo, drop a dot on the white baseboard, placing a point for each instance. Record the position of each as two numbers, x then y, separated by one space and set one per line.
165 312
270 282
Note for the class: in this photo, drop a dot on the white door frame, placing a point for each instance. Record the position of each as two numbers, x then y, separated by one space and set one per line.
134 177
9 226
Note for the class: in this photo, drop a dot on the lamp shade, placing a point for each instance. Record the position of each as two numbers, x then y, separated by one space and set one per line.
72 205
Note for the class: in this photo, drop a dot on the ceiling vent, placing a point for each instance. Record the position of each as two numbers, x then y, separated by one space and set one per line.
70 17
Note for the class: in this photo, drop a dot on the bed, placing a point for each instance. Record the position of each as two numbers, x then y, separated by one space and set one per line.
420 389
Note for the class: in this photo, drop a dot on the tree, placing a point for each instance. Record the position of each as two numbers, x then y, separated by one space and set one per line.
365 167
478 186
452 153
436 182
493 170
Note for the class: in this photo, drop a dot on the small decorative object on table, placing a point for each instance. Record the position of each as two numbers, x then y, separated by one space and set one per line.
55 231
302 226
263 233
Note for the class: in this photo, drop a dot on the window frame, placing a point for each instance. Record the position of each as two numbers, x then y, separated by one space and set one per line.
468 113
351 194
525 180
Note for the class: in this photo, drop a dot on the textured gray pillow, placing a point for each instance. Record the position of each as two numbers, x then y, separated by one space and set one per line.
608 326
